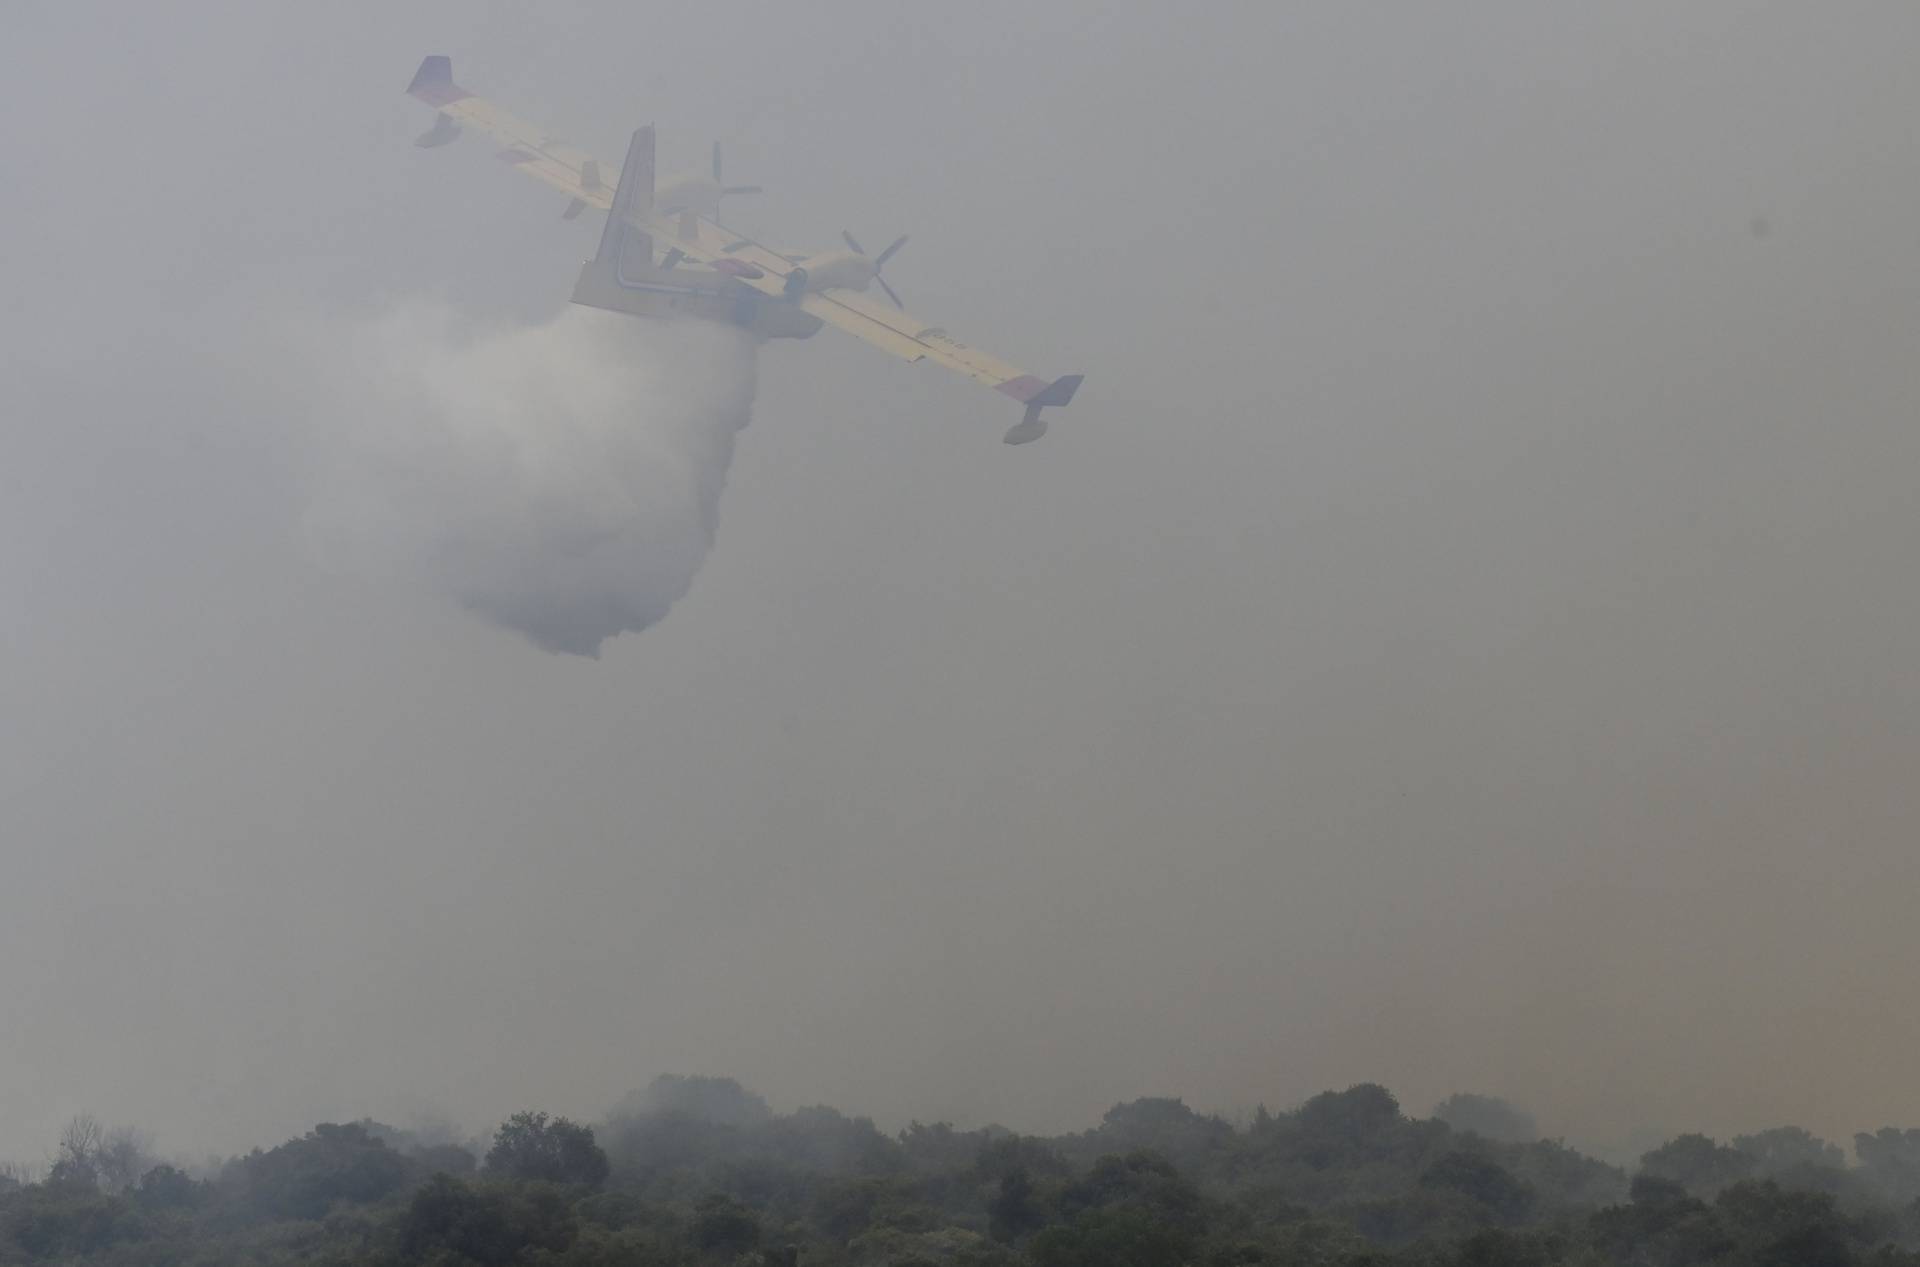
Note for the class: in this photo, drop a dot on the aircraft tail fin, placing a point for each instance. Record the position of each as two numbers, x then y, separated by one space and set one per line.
625 248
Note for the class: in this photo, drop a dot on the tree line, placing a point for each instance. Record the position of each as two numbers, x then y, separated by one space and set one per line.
701 1171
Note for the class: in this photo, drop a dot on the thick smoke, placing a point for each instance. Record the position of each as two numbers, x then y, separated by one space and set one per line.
563 481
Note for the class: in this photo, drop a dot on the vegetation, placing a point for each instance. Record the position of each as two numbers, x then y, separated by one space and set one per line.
700 1171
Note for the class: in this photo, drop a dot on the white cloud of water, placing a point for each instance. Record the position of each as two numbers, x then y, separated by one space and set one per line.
562 480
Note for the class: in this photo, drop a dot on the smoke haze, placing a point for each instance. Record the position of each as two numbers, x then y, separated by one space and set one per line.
1461 635
563 481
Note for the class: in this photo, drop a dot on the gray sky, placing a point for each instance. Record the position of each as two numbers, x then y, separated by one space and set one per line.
1461 636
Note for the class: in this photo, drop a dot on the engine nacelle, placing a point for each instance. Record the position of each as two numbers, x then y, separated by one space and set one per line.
841 269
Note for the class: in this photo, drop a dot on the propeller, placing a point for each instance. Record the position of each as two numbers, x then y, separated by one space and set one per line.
879 261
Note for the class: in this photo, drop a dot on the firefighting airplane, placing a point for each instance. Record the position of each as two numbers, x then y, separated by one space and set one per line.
711 272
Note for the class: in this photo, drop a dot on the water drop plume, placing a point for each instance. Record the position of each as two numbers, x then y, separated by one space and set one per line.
561 480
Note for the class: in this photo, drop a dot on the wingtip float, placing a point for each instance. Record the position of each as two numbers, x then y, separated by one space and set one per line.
664 253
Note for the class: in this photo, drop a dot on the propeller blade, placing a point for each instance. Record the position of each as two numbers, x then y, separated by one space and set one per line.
887 254
889 290
742 189
716 162
852 242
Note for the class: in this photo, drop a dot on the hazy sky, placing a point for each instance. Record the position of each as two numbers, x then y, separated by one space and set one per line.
1461 636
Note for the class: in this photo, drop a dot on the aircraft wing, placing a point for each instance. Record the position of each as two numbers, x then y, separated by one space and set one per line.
578 175
882 324
907 336
528 148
